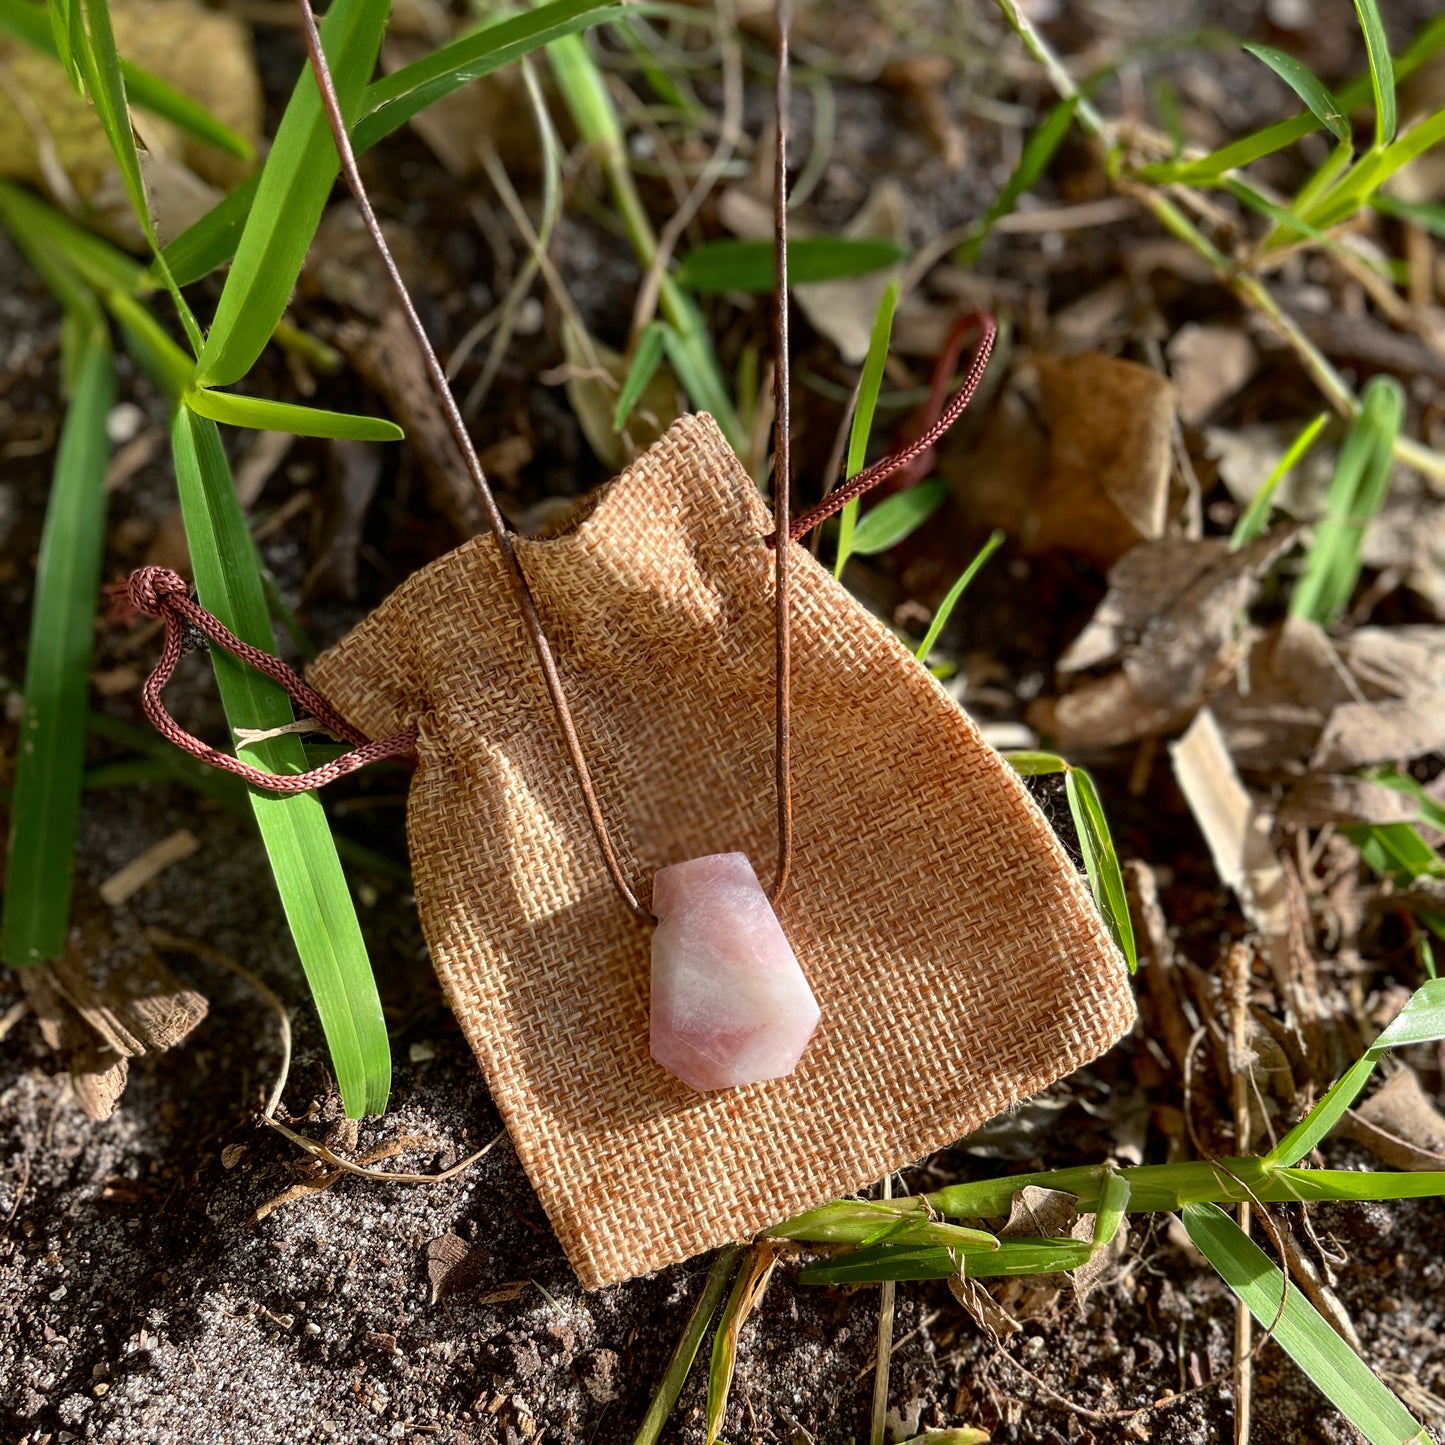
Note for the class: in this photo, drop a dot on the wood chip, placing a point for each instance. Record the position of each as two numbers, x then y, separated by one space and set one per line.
148 865
451 1265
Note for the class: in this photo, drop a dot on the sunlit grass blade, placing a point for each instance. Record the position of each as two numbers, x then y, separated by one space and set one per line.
67 39
919 1262
1038 151
303 856
1254 521
1029 764
50 757
1300 1330
1422 1020
1382 70
726 1261
1101 862
1356 493
63 38
645 361
1305 84
261 414
584 91
105 80
734 265
869 1221
386 104
395 98
945 608
290 197
861 429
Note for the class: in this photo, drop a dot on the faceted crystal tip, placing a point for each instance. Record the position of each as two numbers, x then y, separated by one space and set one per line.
730 1004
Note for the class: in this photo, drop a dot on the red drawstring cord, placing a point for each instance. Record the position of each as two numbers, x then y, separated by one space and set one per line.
880 471
159 592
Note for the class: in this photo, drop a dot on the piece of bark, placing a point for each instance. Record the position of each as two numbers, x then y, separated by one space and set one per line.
451 1265
108 998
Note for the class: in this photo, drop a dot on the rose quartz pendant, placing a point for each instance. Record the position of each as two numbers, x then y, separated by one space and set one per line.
730 1004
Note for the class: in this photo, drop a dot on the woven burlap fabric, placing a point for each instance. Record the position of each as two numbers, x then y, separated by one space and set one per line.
959 963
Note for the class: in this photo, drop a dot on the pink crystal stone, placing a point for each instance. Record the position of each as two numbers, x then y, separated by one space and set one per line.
730 1004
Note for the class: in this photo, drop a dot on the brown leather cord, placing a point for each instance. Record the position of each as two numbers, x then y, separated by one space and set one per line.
782 472
159 592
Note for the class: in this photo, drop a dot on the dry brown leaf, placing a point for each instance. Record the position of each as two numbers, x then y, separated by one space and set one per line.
1362 733
1110 437
1170 619
1400 1124
1323 798
593 398
1208 364
451 1265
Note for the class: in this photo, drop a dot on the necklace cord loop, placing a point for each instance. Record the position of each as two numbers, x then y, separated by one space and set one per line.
158 592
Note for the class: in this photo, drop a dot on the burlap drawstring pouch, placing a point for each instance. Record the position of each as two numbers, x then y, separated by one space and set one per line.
957 958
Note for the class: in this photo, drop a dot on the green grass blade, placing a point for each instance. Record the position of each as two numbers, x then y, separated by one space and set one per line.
61 38
945 608
1101 862
1038 151
645 362
584 91
303 856
902 1263
733 265
150 343
290 197
50 759
650 1431
1305 84
1300 1330
67 38
1113 1206
388 103
1358 187
261 414
1382 70
867 1221
1255 520
1356 493
105 80
1034 764
394 99
899 516
1422 1020
869 385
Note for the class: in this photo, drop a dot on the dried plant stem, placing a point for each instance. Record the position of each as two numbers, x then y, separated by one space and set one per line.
701 1317
886 1299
